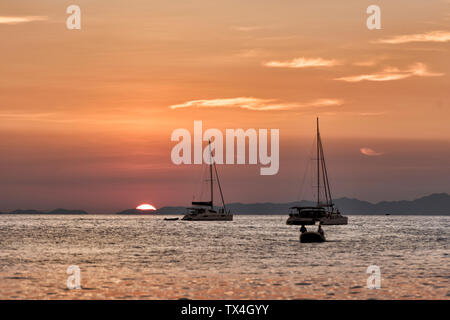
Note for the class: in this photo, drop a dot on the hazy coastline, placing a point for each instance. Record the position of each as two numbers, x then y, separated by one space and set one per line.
436 204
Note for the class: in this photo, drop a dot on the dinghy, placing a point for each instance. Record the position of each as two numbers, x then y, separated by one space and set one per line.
311 236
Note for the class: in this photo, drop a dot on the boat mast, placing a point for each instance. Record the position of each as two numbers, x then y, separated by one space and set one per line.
326 183
220 188
211 174
318 162
212 163
324 176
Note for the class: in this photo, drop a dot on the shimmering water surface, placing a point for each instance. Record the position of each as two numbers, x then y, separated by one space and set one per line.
253 257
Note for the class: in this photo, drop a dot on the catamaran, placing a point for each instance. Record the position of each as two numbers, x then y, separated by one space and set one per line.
204 210
324 211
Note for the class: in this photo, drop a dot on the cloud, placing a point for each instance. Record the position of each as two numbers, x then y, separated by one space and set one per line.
433 36
302 63
247 28
365 63
389 74
370 152
249 53
371 114
23 19
255 104
26 116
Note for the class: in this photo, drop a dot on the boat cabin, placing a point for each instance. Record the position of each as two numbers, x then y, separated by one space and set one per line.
203 207
308 212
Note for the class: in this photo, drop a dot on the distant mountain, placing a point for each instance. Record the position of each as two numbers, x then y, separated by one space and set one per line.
56 211
29 211
434 204
137 211
65 211
171 210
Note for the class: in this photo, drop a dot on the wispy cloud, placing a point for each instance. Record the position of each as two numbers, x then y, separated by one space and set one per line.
255 104
432 36
368 63
371 114
370 152
248 28
249 53
25 116
302 63
22 19
389 74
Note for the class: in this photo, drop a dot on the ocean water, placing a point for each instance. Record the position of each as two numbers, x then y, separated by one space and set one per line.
252 257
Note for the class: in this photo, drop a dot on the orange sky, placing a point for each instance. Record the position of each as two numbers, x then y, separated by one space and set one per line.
86 118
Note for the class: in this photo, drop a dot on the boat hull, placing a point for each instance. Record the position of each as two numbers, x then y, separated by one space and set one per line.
326 221
208 217
310 236
297 221
340 220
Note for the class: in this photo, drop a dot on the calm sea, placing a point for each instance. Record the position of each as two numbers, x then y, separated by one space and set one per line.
253 257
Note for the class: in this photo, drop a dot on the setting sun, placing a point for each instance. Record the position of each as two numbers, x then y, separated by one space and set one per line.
145 206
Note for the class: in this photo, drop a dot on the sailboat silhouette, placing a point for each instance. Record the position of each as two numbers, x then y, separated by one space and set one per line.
324 212
204 210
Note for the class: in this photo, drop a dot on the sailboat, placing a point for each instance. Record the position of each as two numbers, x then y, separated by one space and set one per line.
204 210
324 211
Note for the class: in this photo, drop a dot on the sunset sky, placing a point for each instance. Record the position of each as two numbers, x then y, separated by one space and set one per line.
86 115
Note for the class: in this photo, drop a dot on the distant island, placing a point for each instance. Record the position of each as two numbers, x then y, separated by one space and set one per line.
434 204
56 211
136 211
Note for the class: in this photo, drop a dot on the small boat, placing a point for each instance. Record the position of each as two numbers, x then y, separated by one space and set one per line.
171 219
312 236
324 212
204 210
